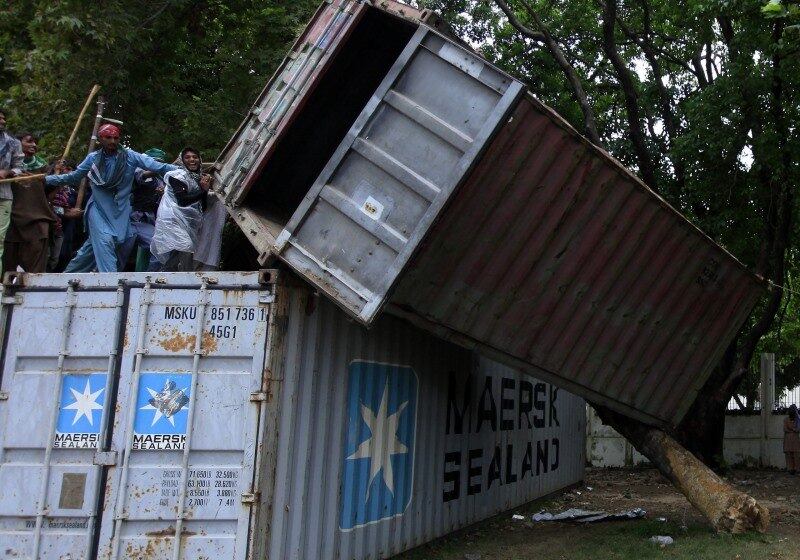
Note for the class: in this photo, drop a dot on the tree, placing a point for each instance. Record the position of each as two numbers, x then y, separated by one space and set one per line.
177 72
700 98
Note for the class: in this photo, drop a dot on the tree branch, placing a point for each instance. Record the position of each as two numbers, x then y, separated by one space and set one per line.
629 94
709 64
154 15
702 79
517 24
665 99
543 35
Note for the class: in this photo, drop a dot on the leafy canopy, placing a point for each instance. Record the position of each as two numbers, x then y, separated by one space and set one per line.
177 72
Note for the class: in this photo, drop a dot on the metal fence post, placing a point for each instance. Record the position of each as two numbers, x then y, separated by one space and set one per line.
767 397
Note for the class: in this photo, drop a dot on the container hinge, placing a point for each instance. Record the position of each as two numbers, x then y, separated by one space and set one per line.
267 298
3 395
11 300
259 396
105 458
250 497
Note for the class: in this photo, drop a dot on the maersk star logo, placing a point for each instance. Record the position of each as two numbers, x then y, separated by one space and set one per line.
162 410
82 398
166 402
383 444
377 475
85 403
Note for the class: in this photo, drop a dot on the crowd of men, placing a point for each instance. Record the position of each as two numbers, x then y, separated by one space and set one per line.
165 216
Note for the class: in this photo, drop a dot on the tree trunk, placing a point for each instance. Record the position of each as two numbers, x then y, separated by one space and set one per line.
727 509
702 431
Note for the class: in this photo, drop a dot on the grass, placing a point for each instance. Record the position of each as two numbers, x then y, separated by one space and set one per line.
501 540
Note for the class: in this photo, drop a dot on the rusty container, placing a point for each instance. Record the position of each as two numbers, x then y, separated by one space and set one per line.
395 169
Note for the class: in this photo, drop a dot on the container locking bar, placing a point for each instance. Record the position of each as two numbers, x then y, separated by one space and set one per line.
105 458
250 497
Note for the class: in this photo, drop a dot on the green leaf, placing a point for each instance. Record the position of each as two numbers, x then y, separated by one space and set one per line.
773 8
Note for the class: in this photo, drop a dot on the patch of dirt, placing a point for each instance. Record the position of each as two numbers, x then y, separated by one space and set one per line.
615 490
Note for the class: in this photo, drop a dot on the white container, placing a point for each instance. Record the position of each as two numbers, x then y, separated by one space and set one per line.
255 421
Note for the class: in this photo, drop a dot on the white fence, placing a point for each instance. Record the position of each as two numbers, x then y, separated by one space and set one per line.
742 446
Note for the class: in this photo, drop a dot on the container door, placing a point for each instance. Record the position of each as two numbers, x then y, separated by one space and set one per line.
58 381
243 158
190 397
392 174
129 414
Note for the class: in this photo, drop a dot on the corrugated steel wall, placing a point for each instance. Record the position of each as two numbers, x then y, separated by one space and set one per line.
554 255
314 482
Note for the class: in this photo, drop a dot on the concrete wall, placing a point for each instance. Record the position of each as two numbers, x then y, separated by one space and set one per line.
743 440
606 448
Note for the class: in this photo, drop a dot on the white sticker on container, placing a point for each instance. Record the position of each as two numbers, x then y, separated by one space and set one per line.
372 208
461 59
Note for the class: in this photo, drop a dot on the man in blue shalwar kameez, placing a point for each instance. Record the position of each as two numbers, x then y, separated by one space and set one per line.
108 213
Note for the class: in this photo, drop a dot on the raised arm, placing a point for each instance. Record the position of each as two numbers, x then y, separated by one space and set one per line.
73 177
148 163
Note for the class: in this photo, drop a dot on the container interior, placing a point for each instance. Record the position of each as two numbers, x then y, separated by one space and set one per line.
355 72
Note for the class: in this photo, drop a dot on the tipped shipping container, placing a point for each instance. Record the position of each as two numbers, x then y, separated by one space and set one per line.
252 420
395 169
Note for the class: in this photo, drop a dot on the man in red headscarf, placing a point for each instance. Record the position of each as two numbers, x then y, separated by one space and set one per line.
111 172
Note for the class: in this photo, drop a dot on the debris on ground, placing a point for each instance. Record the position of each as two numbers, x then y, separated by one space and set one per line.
572 514
692 537
585 516
662 540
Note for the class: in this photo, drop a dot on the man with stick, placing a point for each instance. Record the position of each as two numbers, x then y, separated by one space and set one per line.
110 171
10 166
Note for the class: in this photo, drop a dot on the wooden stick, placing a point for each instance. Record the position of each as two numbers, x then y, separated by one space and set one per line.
101 105
21 178
92 94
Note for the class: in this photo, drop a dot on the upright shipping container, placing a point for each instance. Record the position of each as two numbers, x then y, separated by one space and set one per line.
406 172
253 420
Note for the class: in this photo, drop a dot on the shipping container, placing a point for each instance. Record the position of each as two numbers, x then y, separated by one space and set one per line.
239 416
412 175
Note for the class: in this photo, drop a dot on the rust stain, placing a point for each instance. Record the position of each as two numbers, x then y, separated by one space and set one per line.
208 343
139 493
175 341
154 548
169 532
